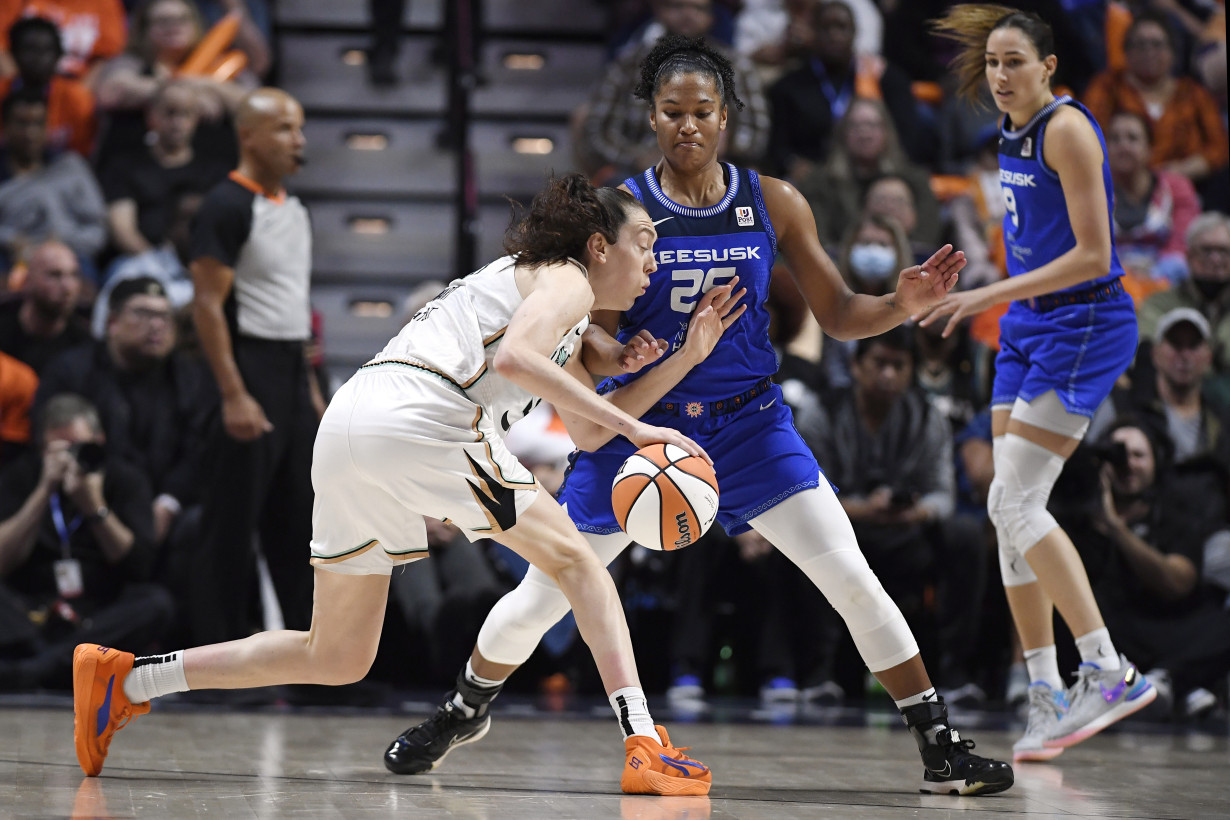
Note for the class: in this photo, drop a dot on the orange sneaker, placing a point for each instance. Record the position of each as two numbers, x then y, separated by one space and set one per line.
100 708
660 768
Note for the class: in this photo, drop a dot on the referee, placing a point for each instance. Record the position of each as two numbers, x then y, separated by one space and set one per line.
251 266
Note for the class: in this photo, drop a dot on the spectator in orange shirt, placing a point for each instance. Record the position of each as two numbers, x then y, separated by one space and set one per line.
18 383
90 30
1189 137
71 120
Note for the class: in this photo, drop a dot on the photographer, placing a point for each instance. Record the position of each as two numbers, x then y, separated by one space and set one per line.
890 452
1140 535
76 543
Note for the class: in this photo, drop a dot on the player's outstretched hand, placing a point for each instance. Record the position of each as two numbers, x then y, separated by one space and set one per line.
717 310
640 351
960 305
919 287
646 434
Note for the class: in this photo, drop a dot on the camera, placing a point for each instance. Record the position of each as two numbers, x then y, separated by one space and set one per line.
1113 453
1078 492
90 456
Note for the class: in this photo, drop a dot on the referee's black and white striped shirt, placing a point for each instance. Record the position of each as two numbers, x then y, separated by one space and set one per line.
267 240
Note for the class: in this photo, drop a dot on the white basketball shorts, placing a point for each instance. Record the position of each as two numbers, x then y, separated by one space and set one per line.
398 443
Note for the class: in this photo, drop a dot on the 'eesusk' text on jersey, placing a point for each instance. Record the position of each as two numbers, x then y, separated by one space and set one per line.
699 249
457 334
1036 225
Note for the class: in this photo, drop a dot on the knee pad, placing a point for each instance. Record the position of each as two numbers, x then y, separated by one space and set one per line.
812 530
518 621
879 630
1024 475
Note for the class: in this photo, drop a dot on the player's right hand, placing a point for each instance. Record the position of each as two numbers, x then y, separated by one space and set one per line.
716 311
244 418
646 434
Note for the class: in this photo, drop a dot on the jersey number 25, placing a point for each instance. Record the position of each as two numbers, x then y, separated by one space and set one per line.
698 281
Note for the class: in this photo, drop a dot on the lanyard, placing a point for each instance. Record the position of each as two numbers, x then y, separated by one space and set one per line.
64 530
839 99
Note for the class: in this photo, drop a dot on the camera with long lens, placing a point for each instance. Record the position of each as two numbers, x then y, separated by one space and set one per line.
1078 492
90 456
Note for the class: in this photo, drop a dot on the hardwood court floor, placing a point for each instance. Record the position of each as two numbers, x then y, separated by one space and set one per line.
217 763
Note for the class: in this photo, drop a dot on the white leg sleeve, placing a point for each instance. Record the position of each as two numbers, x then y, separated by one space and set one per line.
812 530
518 621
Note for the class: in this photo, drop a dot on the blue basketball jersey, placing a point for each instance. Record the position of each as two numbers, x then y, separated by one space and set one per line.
1036 226
699 249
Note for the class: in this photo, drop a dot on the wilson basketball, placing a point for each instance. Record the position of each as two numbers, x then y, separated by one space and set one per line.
664 498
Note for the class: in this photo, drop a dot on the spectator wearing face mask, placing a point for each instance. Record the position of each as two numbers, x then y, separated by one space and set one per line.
872 253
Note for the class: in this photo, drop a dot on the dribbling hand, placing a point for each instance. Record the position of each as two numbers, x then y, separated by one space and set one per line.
646 434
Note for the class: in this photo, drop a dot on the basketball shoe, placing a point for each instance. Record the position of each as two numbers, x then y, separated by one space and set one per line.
421 748
1099 698
100 708
660 768
949 764
1046 707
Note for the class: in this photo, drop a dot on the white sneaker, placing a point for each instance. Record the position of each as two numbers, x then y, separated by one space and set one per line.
1046 707
1099 698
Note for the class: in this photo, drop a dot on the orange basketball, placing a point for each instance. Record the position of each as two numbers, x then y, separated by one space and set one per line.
664 498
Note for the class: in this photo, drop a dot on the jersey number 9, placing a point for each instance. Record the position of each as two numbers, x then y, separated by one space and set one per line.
1010 205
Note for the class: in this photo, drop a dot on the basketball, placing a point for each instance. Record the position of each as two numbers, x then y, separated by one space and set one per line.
664 498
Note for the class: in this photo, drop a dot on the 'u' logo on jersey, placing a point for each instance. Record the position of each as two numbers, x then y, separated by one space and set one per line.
1027 146
743 215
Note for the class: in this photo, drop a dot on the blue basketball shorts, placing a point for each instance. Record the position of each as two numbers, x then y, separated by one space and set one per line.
759 458
1076 350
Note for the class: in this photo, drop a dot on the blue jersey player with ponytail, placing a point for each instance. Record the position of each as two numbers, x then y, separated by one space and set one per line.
719 224
1067 336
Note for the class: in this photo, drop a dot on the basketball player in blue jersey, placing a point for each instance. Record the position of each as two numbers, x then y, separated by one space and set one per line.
716 222
1068 334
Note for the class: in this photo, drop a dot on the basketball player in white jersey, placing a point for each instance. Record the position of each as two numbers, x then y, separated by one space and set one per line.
418 431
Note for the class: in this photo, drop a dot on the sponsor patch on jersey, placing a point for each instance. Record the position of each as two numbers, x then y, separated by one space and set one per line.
1027 146
743 215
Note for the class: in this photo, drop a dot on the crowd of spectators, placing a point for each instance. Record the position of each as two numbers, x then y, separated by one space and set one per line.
113 133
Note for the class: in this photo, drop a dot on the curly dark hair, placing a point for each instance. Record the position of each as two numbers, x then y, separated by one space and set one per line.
562 217
675 54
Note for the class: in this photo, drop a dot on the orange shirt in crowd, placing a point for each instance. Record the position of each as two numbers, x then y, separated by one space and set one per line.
1190 123
18 383
90 30
71 119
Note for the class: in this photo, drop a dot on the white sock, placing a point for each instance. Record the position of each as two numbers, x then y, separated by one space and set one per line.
633 713
1043 665
153 676
482 691
914 700
480 683
1097 647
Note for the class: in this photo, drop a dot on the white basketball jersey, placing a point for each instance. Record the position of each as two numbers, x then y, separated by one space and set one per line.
457 334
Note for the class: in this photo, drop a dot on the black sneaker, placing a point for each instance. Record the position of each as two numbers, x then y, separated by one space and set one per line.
421 748
951 767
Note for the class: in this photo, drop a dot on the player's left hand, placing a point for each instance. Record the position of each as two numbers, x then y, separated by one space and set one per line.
960 305
920 287
640 351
